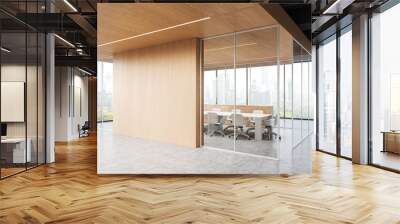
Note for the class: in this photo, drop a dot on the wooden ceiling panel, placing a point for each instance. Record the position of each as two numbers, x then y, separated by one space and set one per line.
145 24
252 47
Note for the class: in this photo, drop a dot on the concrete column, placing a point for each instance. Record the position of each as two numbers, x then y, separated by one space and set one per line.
360 90
50 99
63 102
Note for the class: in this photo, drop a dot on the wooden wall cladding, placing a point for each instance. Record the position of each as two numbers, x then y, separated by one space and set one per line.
156 93
242 108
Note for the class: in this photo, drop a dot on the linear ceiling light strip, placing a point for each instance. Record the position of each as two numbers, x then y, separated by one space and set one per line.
64 40
155 31
70 5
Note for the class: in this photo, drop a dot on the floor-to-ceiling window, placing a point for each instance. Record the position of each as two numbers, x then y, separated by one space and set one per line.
346 92
327 96
334 60
104 91
385 89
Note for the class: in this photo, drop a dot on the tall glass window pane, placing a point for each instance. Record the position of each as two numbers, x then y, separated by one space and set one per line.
385 89
15 155
327 96
226 86
297 99
218 122
282 94
241 86
304 99
210 87
346 93
288 95
262 89
104 91
257 124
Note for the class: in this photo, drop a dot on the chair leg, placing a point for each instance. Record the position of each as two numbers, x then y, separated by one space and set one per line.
220 132
242 133
218 129
248 130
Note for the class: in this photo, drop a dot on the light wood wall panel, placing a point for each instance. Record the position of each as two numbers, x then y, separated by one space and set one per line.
156 93
243 108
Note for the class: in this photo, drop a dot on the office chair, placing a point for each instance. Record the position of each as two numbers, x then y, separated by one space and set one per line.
237 111
238 127
270 124
84 130
215 125
256 112
250 131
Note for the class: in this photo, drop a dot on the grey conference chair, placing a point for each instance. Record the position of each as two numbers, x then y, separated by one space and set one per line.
238 127
215 125
269 126
250 131
230 127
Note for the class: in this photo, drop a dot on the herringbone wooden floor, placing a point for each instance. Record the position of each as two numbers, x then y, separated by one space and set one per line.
69 191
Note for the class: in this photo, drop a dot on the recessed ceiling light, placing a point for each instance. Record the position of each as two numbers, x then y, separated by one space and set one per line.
223 48
155 31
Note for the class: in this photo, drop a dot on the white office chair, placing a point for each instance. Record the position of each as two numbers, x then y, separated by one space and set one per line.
238 127
250 131
234 111
256 112
215 126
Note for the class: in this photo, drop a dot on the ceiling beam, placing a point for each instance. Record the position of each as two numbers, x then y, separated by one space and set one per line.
280 15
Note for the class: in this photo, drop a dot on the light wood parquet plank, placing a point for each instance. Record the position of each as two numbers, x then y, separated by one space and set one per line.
70 191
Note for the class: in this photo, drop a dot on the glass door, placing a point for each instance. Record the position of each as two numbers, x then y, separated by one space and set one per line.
257 74
219 92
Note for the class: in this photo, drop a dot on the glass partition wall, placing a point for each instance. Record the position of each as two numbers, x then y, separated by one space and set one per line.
22 99
256 92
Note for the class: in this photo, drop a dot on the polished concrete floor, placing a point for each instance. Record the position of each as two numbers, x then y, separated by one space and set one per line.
70 191
290 131
127 155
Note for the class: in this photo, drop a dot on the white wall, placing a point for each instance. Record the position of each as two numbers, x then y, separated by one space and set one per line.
70 83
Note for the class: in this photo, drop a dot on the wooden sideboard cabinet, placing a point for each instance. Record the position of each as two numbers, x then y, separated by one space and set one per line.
391 141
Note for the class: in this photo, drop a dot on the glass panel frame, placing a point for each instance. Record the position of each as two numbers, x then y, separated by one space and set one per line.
339 55
384 69
346 72
327 100
23 60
